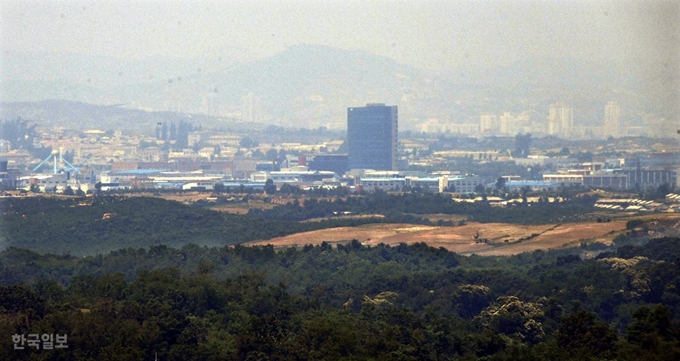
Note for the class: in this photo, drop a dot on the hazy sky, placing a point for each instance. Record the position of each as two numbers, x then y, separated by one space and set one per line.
426 34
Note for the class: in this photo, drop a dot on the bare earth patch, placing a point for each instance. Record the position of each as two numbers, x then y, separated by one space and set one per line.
237 208
520 238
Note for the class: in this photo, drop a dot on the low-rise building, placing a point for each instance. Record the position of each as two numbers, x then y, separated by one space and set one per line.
153 154
124 178
385 184
224 140
328 162
649 177
9 178
51 183
465 184
426 184
292 176
242 168
534 185
568 178
673 198
606 180
199 186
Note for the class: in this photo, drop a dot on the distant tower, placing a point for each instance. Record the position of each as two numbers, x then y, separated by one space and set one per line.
506 123
250 108
612 119
372 137
211 104
561 119
487 122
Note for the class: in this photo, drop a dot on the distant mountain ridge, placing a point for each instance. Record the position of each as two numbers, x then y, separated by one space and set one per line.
79 115
312 85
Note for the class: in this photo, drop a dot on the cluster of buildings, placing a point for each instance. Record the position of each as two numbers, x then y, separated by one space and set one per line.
596 175
114 161
559 122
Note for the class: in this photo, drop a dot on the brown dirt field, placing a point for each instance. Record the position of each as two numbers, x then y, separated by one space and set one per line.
562 236
461 239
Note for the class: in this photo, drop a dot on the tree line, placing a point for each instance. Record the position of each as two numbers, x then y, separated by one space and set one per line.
396 205
342 302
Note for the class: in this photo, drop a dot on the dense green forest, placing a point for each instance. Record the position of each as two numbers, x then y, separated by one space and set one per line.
81 226
347 302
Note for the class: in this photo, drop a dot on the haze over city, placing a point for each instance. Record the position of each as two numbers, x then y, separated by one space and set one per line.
435 35
215 53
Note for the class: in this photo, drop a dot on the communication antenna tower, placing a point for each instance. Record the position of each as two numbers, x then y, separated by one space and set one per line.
56 156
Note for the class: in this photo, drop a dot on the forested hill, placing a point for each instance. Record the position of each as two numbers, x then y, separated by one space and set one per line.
90 226
348 302
82 226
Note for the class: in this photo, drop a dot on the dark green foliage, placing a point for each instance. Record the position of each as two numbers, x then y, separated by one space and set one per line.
398 208
583 335
88 226
650 327
269 187
666 248
100 225
329 301
20 298
632 224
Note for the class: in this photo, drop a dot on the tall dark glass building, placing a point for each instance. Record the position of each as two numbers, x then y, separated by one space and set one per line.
372 137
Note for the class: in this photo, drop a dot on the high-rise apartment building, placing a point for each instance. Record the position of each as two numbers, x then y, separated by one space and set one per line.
507 123
487 123
612 120
250 108
372 137
561 119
